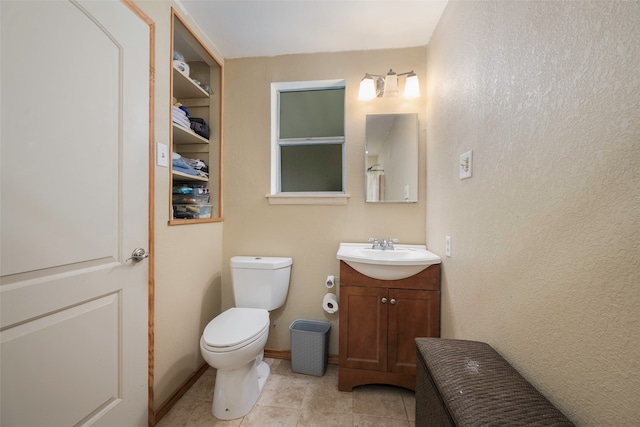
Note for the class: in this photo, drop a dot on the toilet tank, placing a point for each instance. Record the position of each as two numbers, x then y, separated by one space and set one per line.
260 282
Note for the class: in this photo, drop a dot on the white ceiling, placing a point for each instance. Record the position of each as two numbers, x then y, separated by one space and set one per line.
248 28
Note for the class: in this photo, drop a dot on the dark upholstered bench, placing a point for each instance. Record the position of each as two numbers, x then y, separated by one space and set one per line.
467 383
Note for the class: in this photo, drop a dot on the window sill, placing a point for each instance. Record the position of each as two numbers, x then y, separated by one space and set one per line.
308 199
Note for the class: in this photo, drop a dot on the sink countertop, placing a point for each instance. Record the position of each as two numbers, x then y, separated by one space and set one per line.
388 264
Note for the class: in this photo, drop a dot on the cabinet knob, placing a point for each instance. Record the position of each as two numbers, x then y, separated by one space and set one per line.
384 300
393 301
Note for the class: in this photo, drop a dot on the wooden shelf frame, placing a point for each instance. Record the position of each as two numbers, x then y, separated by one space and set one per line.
205 68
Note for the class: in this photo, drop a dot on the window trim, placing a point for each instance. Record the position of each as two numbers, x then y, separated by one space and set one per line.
313 197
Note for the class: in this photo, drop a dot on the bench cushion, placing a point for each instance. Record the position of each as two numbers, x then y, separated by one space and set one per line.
467 383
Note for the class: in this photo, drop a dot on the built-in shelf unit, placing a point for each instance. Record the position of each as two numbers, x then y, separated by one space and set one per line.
199 89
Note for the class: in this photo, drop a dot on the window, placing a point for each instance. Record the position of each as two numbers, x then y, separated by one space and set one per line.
307 147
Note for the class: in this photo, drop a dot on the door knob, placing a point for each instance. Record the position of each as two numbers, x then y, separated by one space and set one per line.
393 301
138 255
384 300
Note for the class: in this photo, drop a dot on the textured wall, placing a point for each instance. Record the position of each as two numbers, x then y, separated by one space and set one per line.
308 233
546 235
188 258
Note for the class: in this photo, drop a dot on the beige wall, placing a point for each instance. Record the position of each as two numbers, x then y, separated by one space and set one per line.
546 236
309 234
188 258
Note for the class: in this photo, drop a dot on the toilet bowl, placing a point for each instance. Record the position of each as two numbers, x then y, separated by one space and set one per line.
233 342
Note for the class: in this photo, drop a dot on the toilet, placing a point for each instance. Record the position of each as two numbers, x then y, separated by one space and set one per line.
233 342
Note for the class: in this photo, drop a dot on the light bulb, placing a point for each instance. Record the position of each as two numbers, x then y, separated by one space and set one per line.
412 86
391 84
367 89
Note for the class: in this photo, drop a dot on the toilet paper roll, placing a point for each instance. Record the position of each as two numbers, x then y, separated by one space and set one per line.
331 281
330 303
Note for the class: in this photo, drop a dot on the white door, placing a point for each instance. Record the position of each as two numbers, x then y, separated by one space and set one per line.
74 205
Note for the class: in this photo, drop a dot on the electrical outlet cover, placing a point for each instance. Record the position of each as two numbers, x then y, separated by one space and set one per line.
466 165
163 155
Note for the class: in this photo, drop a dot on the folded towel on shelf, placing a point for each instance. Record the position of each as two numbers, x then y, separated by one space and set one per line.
188 171
194 167
179 163
195 164
182 125
182 108
182 121
177 110
200 127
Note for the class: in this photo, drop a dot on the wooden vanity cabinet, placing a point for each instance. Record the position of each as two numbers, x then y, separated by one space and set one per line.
379 321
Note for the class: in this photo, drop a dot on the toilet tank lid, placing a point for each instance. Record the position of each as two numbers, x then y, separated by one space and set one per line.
261 262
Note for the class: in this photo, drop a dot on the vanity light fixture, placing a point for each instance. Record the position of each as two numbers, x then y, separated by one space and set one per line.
374 85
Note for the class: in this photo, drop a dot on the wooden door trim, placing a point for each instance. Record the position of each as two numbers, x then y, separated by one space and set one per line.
151 205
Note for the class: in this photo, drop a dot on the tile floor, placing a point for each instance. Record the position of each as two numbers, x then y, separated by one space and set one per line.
291 399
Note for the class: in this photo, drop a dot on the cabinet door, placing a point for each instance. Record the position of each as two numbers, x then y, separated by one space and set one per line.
363 328
412 313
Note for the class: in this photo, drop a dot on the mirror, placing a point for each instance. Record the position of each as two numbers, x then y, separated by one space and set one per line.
391 158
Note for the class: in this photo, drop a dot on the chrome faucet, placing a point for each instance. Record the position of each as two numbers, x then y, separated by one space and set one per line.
390 243
385 245
375 244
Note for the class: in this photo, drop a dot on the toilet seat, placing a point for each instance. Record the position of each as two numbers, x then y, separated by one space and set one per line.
235 328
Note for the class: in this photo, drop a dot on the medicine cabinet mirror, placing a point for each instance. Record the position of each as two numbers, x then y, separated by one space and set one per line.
391 158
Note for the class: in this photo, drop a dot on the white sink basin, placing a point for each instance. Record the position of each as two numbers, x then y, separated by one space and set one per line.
399 263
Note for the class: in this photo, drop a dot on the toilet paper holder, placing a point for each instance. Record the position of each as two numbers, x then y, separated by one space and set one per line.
330 282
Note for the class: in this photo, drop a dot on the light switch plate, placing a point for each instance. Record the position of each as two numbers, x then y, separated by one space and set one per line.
447 247
466 165
162 155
